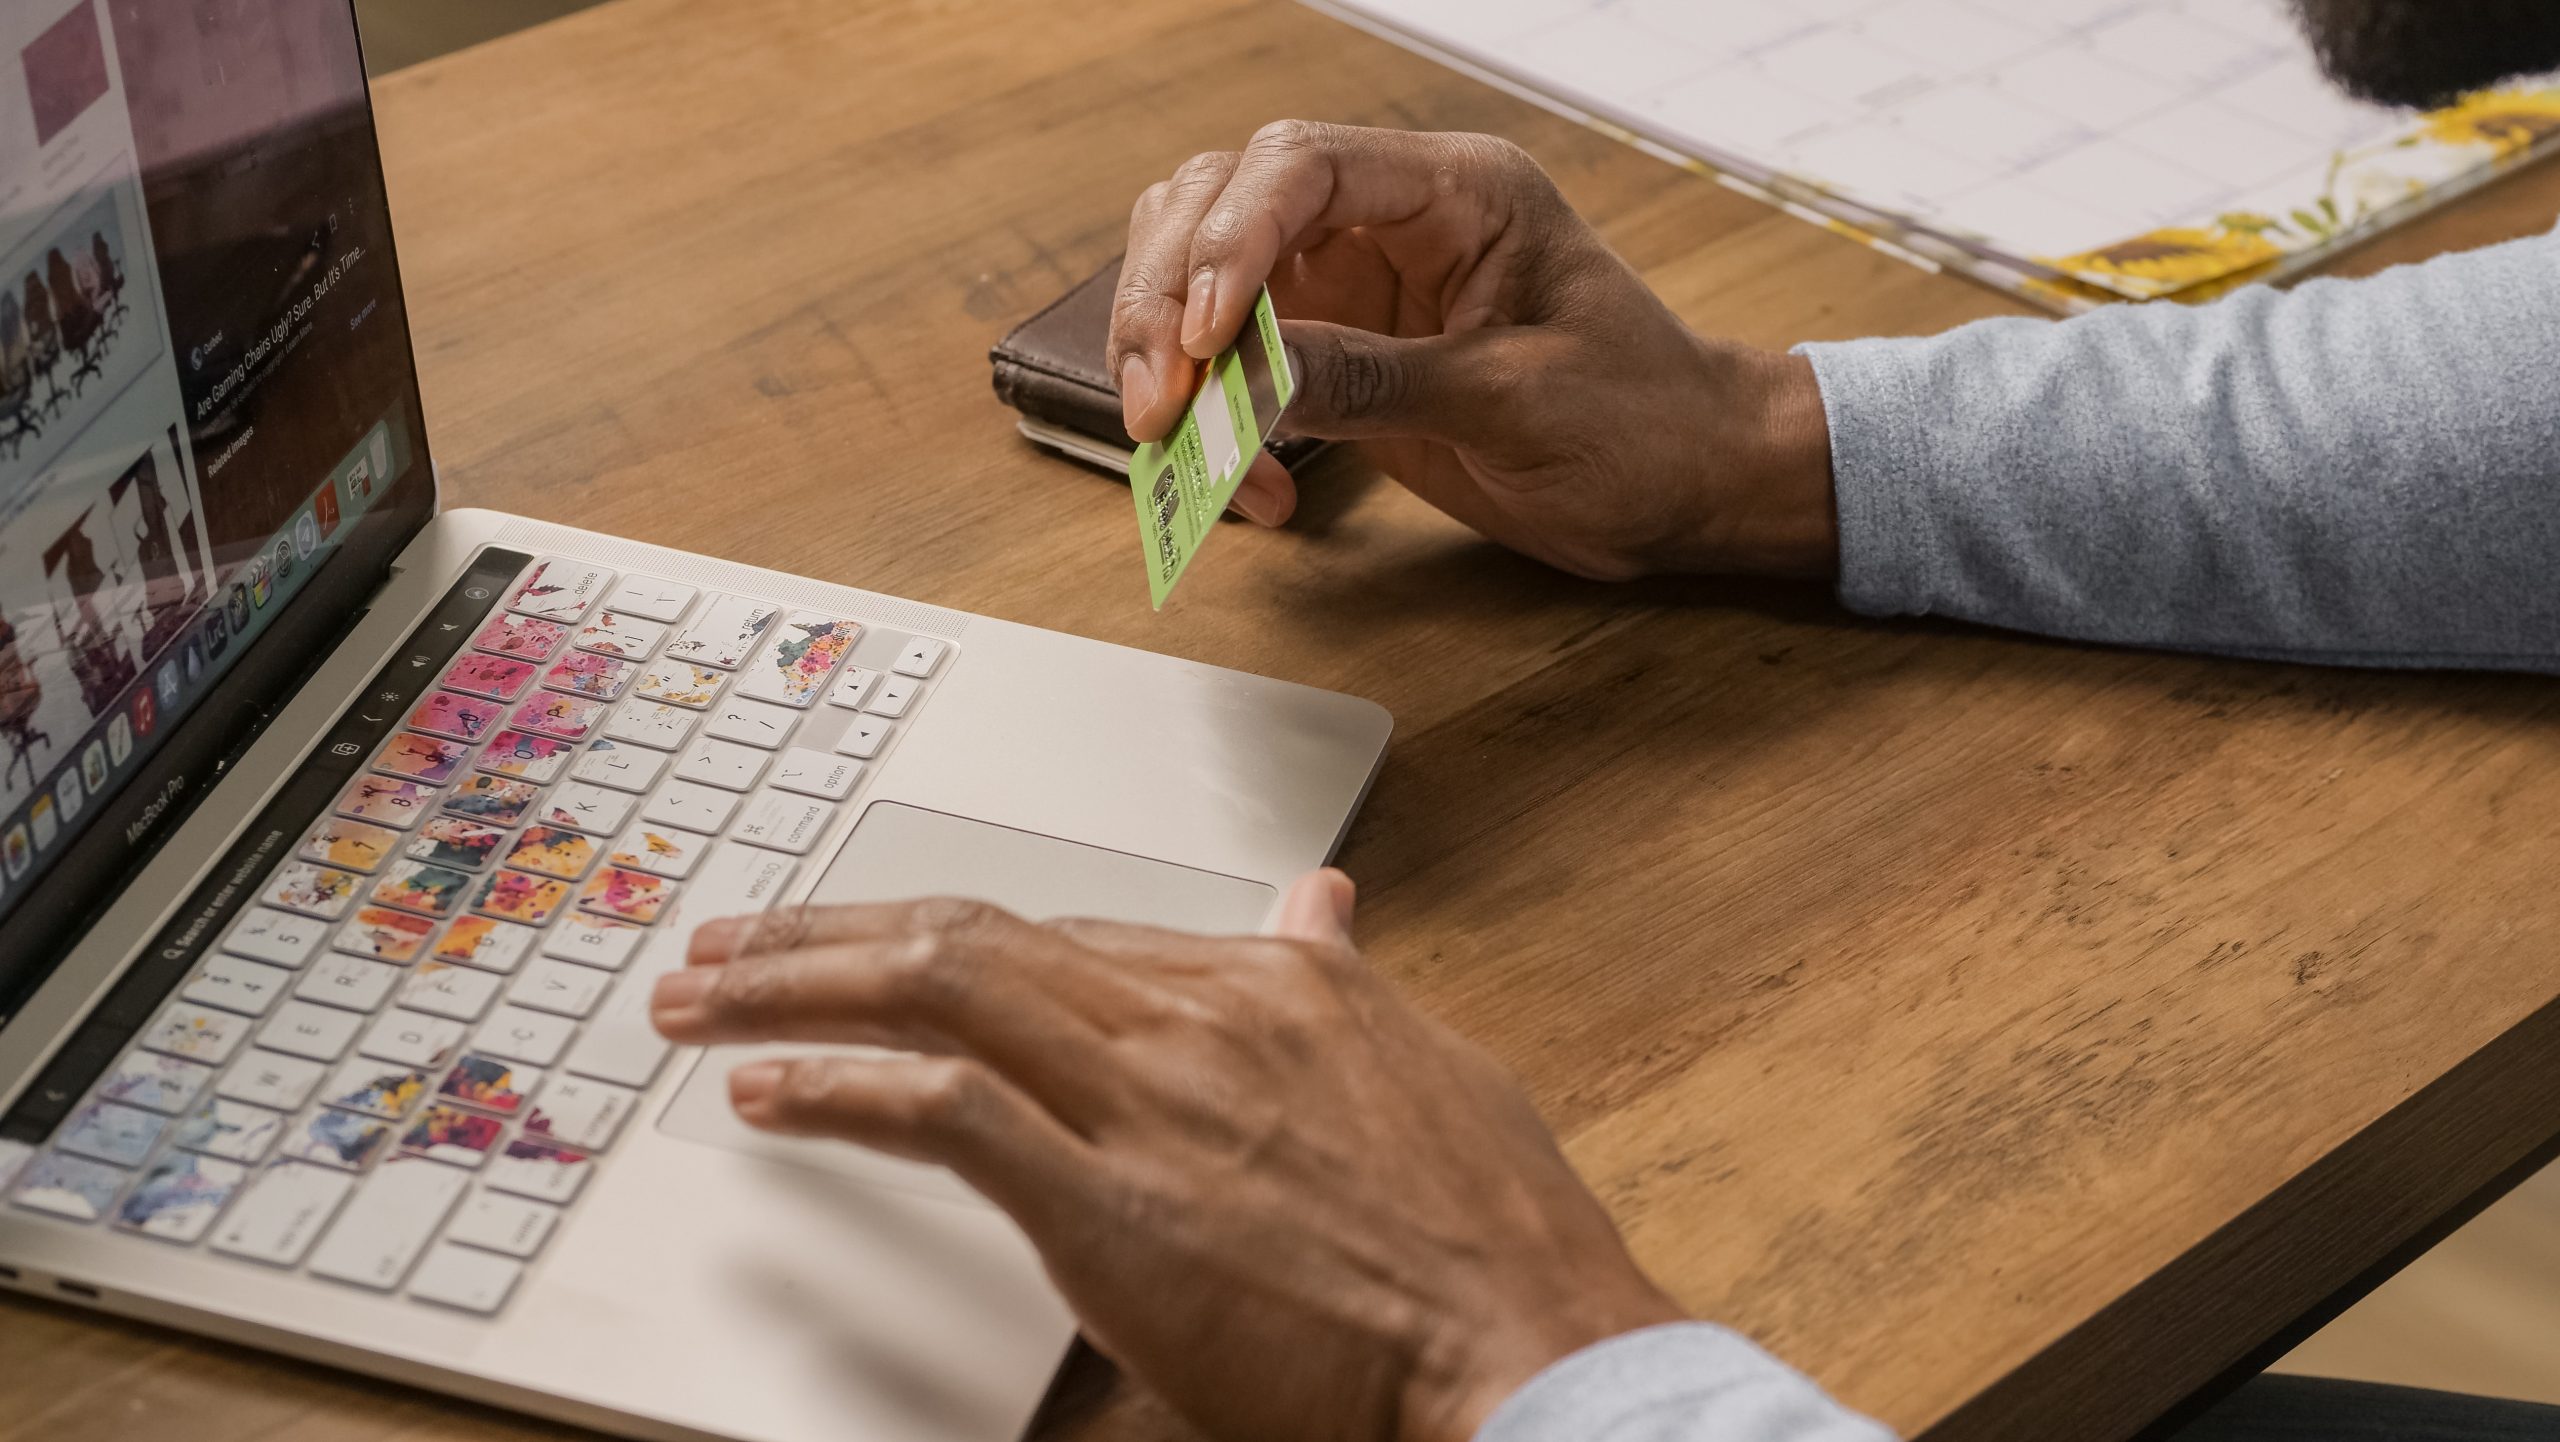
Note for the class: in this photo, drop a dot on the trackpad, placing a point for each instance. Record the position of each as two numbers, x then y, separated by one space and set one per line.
900 852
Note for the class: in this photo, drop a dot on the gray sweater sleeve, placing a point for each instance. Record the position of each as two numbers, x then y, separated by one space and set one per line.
1685 1383
2362 472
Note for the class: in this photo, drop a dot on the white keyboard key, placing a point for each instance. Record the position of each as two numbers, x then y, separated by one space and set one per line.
559 590
380 1233
923 653
853 688
654 724
725 764
318 1032
270 935
559 986
689 807
660 850
580 1113
735 880
620 766
532 1037
620 1045
591 809
465 1280
785 823
794 670
414 1039
594 941
348 981
650 598
757 723
894 696
281 1214
198 1033
815 773
238 984
726 633
619 634
530 1169
270 1079
443 988
495 1222
864 737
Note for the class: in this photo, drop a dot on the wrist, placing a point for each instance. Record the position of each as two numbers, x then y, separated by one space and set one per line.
1763 478
1466 1381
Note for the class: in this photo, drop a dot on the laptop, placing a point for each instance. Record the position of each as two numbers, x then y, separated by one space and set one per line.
341 838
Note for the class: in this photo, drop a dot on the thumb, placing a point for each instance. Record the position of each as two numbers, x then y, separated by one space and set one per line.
1318 908
1359 385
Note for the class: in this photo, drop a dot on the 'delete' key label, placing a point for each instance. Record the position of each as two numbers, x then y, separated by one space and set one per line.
1182 483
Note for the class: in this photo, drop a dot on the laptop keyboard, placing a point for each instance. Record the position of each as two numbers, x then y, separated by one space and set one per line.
424 1028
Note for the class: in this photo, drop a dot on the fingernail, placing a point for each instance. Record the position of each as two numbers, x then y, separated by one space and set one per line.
1137 390
751 1088
676 993
1199 310
1260 502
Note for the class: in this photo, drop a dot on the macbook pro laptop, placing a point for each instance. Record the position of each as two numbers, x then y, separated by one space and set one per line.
341 840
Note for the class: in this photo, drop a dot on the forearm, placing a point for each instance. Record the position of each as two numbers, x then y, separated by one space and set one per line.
2363 472
1685 1383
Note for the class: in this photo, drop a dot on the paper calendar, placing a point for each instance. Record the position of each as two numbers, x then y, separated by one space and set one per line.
2075 151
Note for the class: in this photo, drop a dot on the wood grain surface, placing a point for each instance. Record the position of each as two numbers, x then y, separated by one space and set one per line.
2013 1035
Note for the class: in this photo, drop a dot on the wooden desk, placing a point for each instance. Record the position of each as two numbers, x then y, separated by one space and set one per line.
2013 1035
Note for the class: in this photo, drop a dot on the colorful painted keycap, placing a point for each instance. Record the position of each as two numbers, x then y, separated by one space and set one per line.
451 714
491 1084
180 1196
679 683
617 633
549 713
492 799
450 1134
353 845
384 934
525 756
375 1088
520 896
583 673
155 1083
520 638
486 943
553 852
110 1132
321 891
500 678
560 589
453 841
235 1130
430 760
630 895
726 632
804 655
336 1139
662 850
82 1190
416 886
386 801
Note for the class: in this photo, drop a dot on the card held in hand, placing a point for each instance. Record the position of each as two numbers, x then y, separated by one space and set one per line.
1183 483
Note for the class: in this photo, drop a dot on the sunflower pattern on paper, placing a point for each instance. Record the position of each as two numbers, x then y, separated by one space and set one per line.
2496 128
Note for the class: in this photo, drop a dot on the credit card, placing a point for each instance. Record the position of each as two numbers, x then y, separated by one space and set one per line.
1182 483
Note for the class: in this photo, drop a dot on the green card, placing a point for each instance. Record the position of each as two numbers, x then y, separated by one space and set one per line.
1183 482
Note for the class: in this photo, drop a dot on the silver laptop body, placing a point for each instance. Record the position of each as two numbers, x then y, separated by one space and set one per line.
322 999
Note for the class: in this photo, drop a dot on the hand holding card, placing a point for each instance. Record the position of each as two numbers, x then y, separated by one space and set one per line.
1183 483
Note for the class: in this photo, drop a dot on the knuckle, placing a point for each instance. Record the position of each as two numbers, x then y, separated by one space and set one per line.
1149 201
807 1089
949 1093
1361 382
1207 166
956 916
1286 135
745 991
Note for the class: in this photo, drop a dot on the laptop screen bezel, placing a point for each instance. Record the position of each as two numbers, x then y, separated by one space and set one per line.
101 863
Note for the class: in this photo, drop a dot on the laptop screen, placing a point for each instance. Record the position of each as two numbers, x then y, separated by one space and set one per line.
209 435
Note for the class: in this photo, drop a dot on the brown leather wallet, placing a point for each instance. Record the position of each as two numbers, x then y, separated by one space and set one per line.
1051 369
